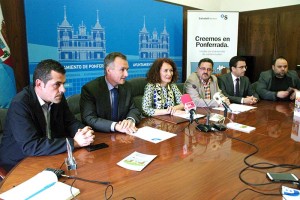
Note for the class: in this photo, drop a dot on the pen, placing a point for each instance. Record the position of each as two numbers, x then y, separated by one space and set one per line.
41 190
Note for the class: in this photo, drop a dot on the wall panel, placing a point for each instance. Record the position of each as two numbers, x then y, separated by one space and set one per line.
266 34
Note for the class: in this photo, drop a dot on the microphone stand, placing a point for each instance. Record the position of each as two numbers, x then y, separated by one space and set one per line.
225 111
205 127
191 117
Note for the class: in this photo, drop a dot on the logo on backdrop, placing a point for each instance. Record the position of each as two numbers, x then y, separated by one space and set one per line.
92 46
81 46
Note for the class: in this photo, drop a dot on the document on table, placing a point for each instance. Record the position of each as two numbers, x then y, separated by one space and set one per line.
152 134
44 186
136 161
240 127
237 108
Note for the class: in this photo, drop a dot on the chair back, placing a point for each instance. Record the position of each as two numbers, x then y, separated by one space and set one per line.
73 102
138 86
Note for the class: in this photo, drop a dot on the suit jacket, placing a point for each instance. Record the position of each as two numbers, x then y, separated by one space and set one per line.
194 87
25 129
265 82
95 104
226 85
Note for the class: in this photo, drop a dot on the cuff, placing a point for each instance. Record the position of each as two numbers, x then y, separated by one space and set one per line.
112 126
132 119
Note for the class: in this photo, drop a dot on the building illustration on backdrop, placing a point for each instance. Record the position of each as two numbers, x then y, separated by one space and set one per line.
153 46
80 45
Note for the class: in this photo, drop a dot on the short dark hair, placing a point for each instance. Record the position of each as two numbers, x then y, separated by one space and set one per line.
206 60
153 75
44 68
234 60
109 58
279 57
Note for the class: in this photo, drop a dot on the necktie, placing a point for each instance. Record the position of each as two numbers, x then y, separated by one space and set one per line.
46 109
237 87
114 106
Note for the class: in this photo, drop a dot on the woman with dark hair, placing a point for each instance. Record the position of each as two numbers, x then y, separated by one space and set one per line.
161 95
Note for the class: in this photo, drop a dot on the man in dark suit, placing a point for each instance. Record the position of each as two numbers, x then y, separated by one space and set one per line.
39 120
278 83
106 103
235 85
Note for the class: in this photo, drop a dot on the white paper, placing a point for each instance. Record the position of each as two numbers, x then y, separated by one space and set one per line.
136 161
290 193
240 127
236 108
152 134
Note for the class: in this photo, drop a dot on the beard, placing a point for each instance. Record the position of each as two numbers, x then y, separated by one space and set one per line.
280 75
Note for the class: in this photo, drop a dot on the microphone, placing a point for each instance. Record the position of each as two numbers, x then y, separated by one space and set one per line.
207 127
204 127
189 106
218 97
70 160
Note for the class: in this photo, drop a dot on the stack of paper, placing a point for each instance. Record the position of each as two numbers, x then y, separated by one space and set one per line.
240 127
44 186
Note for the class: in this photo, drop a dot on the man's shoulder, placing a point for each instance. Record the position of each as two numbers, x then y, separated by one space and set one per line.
266 73
193 77
26 95
95 82
292 73
224 76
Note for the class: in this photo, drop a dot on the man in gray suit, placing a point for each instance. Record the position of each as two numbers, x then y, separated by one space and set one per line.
106 103
202 85
235 85
278 83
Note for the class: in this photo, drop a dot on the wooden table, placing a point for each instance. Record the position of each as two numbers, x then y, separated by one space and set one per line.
192 165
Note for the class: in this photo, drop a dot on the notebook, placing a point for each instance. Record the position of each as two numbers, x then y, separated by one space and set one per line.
44 185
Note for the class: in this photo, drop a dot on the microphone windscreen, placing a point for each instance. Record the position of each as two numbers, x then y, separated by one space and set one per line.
186 98
217 97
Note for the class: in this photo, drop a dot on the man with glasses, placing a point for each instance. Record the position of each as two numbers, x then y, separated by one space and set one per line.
278 83
202 85
235 85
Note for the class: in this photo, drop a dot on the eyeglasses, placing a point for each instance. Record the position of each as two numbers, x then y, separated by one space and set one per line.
242 67
203 69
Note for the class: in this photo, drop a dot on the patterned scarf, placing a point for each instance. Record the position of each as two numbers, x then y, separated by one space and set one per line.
163 96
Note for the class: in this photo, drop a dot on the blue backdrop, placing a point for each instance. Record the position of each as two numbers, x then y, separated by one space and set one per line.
80 33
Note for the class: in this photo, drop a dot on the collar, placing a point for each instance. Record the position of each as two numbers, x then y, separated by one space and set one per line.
206 83
41 101
234 77
109 86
